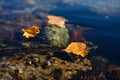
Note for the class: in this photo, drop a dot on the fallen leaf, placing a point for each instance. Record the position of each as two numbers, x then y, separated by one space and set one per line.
78 48
77 34
56 20
31 32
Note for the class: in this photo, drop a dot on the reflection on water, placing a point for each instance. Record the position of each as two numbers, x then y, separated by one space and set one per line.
103 16
101 6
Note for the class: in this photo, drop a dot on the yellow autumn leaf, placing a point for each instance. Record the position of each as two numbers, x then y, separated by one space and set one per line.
31 32
56 20
78 48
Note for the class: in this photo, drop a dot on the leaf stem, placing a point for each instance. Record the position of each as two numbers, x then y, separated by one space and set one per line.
40 37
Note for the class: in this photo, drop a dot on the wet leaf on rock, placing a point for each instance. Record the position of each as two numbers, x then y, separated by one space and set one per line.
31 32
78 48
57 20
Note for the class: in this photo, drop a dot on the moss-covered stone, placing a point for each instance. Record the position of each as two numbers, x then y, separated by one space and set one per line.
57 36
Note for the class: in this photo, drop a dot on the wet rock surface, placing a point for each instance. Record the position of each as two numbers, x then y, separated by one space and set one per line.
44 62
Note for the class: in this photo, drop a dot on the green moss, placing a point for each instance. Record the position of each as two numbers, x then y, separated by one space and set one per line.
57 36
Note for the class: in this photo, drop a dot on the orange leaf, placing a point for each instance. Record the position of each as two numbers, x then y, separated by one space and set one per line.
31 32
56 20
78 48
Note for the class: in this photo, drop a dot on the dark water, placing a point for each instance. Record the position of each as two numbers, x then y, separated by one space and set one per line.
102 16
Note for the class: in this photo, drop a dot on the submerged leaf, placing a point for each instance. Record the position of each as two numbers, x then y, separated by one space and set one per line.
77 34
31 32
56 20
78 48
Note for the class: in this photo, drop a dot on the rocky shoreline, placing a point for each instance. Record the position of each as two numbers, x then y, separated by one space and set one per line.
43 62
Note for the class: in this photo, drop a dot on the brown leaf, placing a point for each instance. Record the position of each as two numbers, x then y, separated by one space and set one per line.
78 48
77 35
56 20
31 32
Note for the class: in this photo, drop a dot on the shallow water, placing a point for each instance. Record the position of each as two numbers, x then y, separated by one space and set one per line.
102 16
